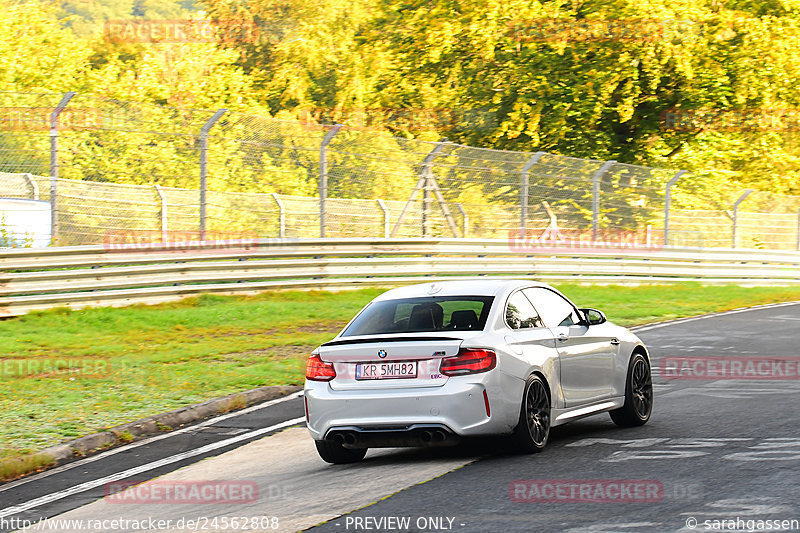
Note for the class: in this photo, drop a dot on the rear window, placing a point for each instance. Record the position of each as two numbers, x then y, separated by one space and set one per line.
409 315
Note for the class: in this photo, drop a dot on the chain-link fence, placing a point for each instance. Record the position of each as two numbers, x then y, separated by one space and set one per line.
152 172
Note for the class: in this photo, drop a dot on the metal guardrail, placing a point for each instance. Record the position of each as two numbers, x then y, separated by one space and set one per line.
84 276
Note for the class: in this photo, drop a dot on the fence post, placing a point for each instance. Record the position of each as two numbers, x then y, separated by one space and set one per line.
34 186
422 183
741 199
523 192
464 220
203 167
426 174
323 175
385 211
596 197
163 200
54 164
667 201
281 216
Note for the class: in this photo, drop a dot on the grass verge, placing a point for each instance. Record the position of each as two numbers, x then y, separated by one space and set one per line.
68 373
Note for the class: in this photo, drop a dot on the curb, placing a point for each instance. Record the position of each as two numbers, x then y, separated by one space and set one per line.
125 433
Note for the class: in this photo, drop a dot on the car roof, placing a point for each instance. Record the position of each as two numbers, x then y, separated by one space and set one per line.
460 287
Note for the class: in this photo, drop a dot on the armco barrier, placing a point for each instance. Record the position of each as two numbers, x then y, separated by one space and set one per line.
95 275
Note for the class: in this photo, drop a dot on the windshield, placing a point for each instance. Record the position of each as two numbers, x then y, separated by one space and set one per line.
453 313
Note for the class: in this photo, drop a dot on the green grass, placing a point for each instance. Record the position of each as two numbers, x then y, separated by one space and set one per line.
118 365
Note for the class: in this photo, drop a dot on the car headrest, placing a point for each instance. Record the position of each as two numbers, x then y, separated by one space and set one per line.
426 317
464 319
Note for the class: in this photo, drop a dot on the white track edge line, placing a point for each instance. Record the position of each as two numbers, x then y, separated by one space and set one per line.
88 485
647 327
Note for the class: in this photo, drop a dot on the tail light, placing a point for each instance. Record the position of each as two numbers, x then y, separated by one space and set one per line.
319 370
469 361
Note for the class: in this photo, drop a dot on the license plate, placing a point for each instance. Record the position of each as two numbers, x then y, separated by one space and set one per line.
386 370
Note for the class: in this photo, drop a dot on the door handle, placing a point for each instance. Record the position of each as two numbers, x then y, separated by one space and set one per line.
563 337
615 341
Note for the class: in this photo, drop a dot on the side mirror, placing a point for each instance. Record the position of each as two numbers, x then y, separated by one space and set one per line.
593 316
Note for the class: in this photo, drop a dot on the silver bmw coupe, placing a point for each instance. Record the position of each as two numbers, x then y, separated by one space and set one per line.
430 364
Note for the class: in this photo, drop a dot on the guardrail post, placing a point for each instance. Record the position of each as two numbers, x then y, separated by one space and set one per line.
667 201
33 185
163 200
281 215
464 220
524 188
54 164
323 175
385 211
596 197
735 216
204 167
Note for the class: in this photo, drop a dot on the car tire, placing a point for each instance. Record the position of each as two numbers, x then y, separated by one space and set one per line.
638 394
533 429
333 453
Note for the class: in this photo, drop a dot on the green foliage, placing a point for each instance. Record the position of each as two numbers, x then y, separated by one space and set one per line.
37 53
507 86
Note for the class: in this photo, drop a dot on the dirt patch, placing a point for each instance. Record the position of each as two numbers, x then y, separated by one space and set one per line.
274 352
328 327
325 327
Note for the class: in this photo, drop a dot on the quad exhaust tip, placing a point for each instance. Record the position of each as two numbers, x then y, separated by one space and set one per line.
390 438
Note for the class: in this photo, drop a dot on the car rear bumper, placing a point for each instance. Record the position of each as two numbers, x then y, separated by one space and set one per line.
422 435
458 408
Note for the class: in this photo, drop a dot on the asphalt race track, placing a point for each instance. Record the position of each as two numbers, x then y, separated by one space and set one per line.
717 455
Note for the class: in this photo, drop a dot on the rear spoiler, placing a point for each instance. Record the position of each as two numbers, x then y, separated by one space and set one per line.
389 339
